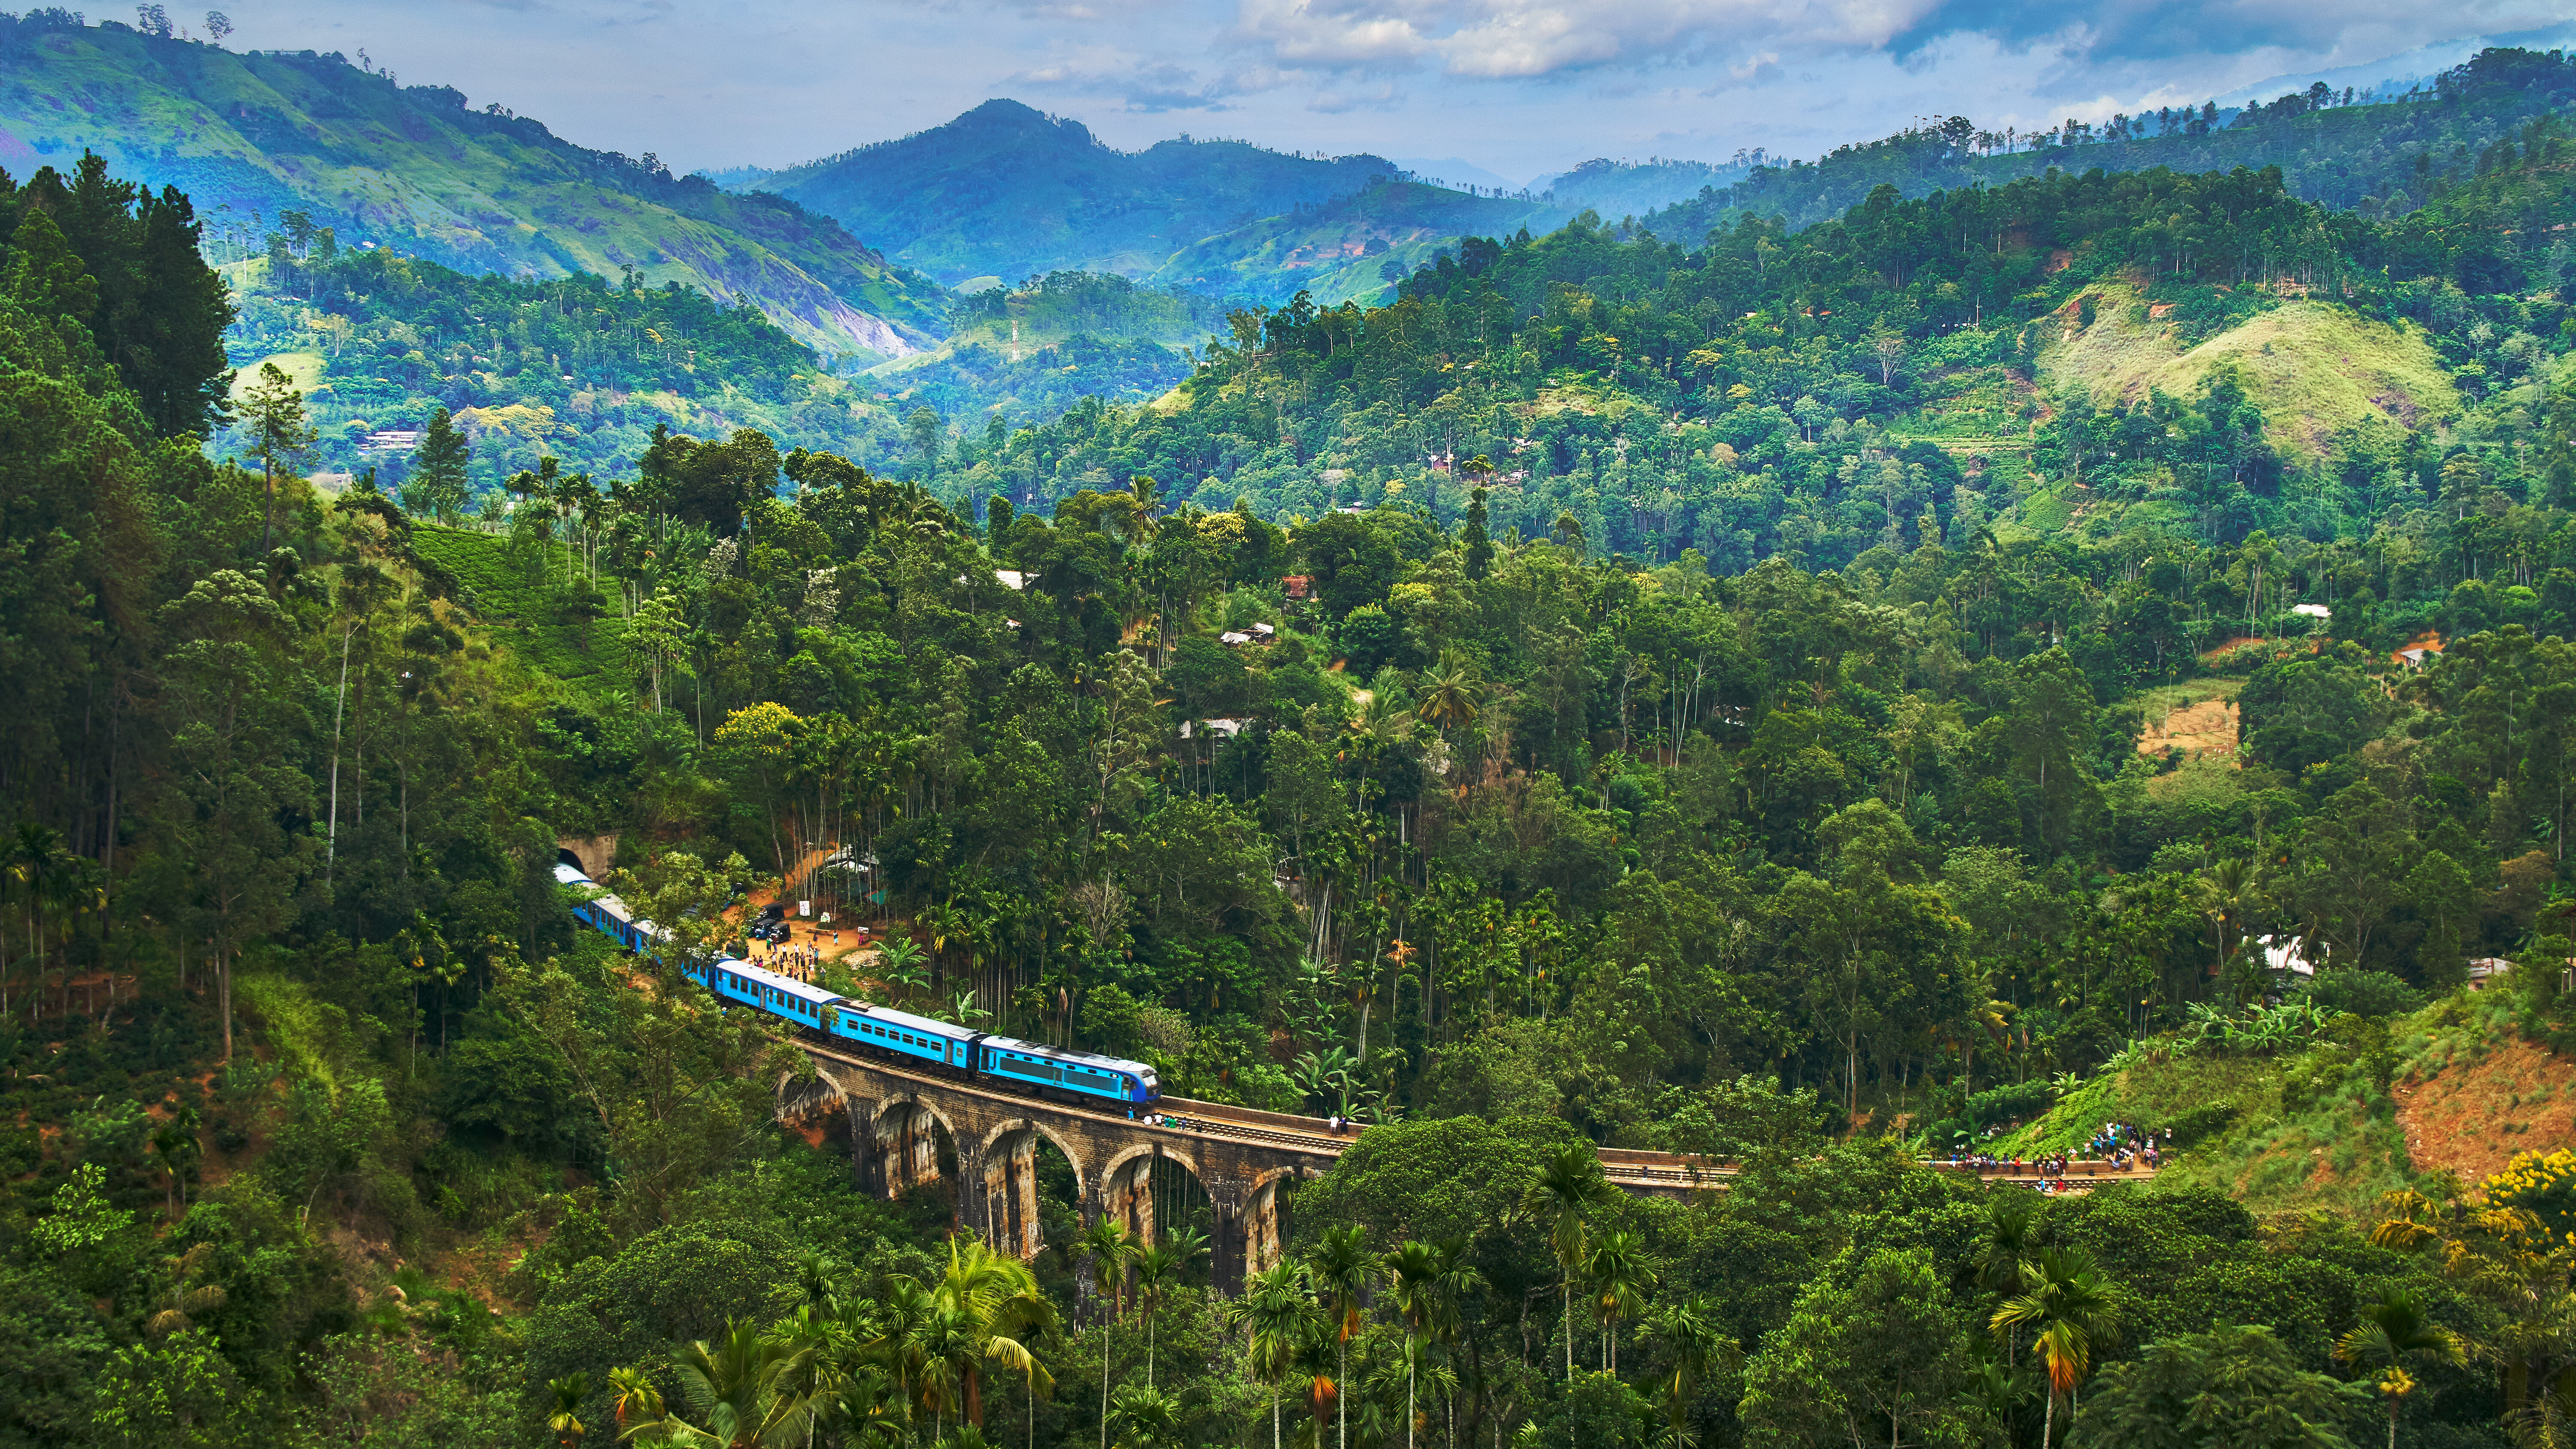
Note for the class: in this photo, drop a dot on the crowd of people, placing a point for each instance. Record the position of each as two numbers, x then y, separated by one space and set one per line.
2121 1145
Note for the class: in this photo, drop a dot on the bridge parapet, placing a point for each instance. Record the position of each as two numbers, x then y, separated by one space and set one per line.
1241 1157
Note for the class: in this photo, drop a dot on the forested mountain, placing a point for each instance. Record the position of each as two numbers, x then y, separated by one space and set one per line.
1026 353
413 169
1349 247
1004 191
578 369
2377 157
583 370
2011 670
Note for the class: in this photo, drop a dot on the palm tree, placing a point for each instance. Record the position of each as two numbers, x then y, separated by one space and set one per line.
1109 1248
1340 1266
2003 1255
1620 1282
2229 894
1453 1278
1568 1184
1689 1332
1276 1315
942 1347
1002 1310
2075 1309
1316 1367
632 1394
37 860
819 1277
1154 1269
741 1391
1412 1280
1148 1419
565 1422
902 962
1449 697
1157 1269
2391 1332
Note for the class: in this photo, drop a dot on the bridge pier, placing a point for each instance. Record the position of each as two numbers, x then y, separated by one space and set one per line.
1010 1202
896 1117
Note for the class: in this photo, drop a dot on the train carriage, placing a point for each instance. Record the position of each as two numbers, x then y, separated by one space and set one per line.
1004 1062
1035 1064
906 1035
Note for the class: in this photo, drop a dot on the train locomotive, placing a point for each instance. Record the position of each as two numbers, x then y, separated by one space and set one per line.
1031 1068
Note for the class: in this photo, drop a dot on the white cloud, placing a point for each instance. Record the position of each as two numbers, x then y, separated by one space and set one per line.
1525 39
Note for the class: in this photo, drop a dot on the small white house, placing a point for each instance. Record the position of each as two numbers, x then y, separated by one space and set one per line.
2312 611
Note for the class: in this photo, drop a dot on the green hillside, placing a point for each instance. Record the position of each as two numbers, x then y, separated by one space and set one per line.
579 369
1806 697
2321 373
1005 191
2375 158
1030 352
1351 246
250 136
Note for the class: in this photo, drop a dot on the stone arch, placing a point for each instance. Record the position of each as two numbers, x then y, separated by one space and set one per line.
1126 1185
1008 1154
900 1137
1262 1221
592 855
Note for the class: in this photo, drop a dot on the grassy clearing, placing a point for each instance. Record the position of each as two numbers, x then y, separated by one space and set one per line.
2160 701
1974 412
2312 1129
2317 370
509 596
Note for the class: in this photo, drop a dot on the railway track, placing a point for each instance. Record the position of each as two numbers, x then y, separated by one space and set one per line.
1653 1171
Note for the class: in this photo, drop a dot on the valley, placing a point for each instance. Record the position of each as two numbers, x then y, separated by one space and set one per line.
1007 789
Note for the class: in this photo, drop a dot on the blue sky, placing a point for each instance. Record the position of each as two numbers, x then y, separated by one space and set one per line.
1519 87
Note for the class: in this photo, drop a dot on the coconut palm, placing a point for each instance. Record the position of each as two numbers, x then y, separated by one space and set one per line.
740 1393
2075 1310
1277 1314
1449 697
2393 1332
1620 1282
1003 1312
1568 1185
1340 1267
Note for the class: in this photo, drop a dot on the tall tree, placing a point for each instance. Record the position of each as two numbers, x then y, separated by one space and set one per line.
2073 1309
280 434
440 482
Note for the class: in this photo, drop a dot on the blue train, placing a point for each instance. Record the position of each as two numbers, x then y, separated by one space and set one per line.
998 1061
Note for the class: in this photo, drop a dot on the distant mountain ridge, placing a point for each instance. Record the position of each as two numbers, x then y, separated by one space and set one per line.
1005 190
414 169
2392 75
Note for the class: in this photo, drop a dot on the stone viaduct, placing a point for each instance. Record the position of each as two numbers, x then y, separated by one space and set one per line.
1240 1157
